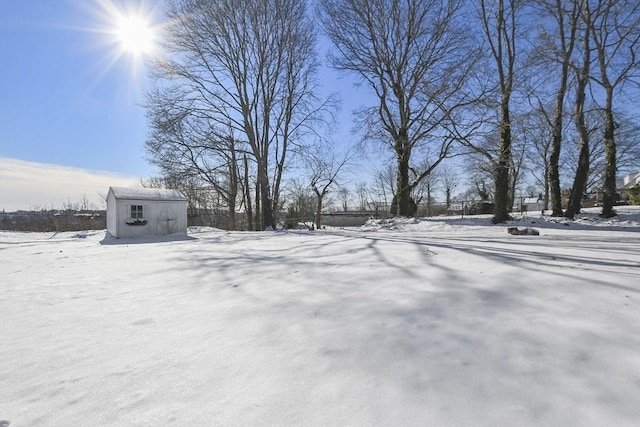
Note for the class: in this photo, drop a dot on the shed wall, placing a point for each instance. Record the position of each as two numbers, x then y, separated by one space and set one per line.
112 217
163 218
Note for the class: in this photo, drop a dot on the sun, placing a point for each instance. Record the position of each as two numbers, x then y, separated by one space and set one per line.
130 30
126 34
134 34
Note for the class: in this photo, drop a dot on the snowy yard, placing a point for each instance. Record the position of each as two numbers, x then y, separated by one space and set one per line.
440 322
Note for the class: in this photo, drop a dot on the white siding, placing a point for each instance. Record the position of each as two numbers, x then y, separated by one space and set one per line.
163 217
112 217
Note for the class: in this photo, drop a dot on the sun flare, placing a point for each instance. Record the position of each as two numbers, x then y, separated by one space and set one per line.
127 32
130 29
134 34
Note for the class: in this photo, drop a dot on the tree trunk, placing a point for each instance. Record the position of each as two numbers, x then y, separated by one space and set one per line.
609 195
247 192
582 173
258 218
501 173
268 219
545 204
513 181
233 189
579 182
554 171
231 224
403 205
319 210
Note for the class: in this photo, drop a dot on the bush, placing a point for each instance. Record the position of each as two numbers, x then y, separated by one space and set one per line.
634 194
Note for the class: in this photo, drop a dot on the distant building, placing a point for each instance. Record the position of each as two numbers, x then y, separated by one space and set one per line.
628 181
137 212
528 204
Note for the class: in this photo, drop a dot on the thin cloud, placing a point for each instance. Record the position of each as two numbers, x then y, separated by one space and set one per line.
30 185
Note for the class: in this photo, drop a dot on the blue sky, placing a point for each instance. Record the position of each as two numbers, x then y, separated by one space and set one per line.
70 101
68 97
64 100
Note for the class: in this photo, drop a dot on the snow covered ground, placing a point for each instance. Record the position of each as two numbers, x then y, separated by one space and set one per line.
439 322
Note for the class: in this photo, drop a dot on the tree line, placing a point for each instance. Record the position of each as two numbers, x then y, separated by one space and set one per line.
506 87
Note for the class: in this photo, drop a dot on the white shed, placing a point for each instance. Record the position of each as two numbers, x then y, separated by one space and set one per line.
136 212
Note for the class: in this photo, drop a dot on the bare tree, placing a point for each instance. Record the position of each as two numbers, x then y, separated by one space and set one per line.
344 195
324 166
481 164
627 137
573 149
249 65
187 146
615 31
487 151
539 133
362 192
423 193
300 204
519 144
384 185
449 179
499 21
415 56
246 194
582 67
557 45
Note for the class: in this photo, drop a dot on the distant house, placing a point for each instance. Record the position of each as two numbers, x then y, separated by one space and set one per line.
136 212
628 182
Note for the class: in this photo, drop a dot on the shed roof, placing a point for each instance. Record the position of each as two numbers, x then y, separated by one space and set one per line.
124 193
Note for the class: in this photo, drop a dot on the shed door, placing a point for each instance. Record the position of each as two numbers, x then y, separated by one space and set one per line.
167 220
